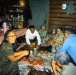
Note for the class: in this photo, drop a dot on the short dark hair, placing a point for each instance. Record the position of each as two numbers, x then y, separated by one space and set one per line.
69 30
31 26
61 29
6 35
62 58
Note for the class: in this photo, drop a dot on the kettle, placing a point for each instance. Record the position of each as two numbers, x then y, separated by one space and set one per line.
35 51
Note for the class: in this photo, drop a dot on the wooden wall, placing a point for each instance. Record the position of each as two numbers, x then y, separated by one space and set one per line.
58 17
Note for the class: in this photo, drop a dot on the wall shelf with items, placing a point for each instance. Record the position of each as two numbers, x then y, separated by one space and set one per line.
16 14
15 6
15 9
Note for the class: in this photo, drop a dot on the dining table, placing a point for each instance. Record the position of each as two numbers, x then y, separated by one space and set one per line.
19 32
25 66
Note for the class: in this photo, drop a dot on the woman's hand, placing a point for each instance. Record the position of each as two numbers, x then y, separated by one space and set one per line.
44 36
53 63
54 40
56 67
21 45
26 53
57 41
18 55
37 46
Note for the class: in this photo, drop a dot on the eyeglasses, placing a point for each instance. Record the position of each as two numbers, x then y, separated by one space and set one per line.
13 36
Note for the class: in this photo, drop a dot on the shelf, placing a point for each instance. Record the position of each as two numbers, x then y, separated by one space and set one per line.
15 6
15 21
16 11
18 21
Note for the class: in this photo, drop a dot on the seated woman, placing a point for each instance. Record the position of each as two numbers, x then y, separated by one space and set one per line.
60 64
8 58
43 34
58 39
44 38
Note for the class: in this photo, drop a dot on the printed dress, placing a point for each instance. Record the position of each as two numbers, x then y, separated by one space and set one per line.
6 66
54 44
44 33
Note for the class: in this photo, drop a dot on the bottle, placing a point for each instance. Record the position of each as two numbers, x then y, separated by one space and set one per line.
18 18
11 17
5 26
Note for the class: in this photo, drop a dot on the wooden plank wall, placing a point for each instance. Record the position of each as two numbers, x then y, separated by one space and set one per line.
58 17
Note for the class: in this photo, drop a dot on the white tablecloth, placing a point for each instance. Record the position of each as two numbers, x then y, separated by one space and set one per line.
23 66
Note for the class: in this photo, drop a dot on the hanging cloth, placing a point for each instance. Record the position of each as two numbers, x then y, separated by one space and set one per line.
70 8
